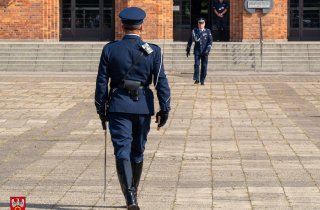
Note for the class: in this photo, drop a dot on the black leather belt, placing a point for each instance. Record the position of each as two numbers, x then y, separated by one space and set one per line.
121 85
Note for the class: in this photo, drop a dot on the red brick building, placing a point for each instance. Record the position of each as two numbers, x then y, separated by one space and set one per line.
97 20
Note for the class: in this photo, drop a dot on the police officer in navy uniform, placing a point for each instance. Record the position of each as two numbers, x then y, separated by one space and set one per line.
130 100
220 8
203 42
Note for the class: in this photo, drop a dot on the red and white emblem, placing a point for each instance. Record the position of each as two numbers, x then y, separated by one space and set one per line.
18 203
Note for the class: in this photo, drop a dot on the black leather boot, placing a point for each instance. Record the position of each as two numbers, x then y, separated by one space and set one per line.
125 173
136 172
196 82
119 172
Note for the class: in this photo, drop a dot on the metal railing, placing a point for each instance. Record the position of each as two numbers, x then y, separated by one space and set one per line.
261 42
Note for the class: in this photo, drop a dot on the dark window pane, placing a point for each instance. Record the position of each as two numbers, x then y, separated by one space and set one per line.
185 17
294 13
107 19
177 27
108 3
87 3
176 13
66 4
176 2
86 18
294 4
185 26
185 8
311 13
66 18
294 18
311 17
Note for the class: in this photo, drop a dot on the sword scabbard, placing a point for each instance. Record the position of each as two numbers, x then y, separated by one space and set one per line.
159 118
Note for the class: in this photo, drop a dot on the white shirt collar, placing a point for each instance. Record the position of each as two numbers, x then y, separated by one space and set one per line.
133 34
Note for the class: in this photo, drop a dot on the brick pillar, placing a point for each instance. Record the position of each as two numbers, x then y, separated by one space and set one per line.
236 20
159 17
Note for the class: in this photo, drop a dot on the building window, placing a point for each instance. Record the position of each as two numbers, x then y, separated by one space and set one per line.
107 18
66 14
311 13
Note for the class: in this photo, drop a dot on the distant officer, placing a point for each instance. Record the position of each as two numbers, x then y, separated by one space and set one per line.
130 100
220 8
203 42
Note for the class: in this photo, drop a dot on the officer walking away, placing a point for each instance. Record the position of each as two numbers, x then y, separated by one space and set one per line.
221 8
130 65
203 42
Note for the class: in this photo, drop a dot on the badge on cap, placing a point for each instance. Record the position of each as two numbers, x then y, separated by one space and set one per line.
201 20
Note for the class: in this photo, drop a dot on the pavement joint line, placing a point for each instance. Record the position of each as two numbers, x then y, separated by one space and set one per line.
270 160
184 150
17 151
107 184
211 155
236 141
35 139
312 178
79 173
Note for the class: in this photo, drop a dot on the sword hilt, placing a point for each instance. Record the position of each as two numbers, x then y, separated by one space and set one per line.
104 127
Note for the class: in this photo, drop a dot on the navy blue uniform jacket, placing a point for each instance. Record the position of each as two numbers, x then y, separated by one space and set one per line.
203 41
221 7
116 59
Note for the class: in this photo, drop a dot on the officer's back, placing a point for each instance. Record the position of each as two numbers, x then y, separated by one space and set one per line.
121 55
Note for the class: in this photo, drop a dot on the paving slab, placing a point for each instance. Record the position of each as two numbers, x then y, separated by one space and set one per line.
244 140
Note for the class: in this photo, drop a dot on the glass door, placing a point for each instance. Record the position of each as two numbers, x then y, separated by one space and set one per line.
66 20
87 20
304 20
181 20
311 20
108 25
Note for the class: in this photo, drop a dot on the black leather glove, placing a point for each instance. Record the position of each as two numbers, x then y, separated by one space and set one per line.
206 53
188 53
103 117
163 117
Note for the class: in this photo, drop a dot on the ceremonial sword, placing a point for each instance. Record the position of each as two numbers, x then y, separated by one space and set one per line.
104 126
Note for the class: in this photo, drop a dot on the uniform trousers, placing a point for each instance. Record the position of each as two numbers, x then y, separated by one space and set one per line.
129 135
222 24
204 63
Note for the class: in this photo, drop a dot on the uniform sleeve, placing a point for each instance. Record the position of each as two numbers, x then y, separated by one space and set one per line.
161 83
209 45
101 94
227 6
215 7
190 42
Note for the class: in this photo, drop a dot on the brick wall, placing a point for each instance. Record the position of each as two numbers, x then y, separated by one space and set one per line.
29 19
39 20
274 23
159 17
246 26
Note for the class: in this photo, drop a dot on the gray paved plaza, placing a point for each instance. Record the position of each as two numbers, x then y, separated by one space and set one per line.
243 141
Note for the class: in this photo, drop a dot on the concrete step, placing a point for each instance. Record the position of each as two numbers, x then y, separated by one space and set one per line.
223 56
